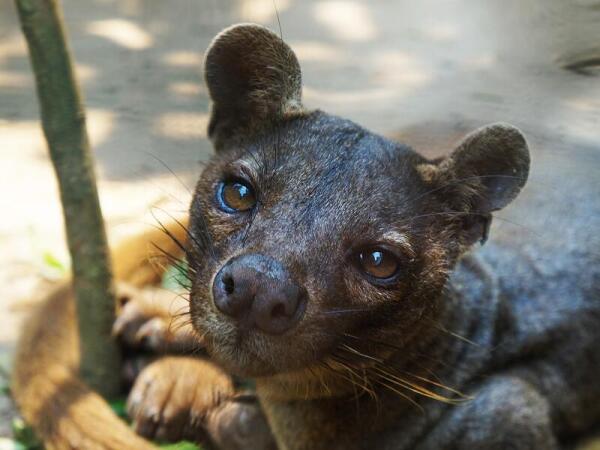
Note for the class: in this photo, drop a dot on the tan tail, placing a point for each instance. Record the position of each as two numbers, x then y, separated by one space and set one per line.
63 411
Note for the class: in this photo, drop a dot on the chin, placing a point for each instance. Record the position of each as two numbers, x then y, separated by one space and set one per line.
253 355
243 368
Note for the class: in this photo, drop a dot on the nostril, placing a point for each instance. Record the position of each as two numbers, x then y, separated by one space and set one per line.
228 284
278 311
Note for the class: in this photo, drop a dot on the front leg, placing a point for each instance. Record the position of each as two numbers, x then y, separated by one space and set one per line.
155 320
172 396
507 412
178 398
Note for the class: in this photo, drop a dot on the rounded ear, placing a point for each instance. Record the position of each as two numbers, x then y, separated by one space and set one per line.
252 77
489 168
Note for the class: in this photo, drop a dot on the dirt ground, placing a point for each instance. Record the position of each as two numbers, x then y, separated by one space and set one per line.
421 71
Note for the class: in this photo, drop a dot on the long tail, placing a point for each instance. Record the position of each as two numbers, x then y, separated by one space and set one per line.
63 411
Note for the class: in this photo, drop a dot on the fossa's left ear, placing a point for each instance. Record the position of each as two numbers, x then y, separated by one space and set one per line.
482 175
493 160
253 77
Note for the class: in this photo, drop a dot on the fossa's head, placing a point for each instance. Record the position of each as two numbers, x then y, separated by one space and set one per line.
308 230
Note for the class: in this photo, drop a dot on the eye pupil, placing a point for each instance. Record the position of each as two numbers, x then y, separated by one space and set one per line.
236 196
378 263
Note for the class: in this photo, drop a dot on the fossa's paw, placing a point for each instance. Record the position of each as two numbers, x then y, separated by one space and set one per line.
154 320
172 397
239 424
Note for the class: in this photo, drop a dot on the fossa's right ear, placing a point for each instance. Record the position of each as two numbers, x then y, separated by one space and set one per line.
253 78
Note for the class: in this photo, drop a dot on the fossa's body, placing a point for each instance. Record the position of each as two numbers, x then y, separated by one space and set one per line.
333 267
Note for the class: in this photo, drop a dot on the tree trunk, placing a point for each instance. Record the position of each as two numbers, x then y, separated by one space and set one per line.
63 121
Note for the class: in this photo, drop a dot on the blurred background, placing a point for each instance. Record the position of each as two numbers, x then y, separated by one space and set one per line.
424 72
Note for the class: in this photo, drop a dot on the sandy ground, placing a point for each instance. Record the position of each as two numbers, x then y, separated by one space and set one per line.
398 67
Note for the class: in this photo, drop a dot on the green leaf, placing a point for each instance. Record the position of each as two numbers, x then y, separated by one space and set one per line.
52 262
4 387
119 408
25 436
175 278
9 444
5 362
4 377
183 445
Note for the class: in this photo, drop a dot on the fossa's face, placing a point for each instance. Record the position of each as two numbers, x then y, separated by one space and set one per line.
311 237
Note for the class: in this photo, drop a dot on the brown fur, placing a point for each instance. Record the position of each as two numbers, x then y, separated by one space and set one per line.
187 388
63 411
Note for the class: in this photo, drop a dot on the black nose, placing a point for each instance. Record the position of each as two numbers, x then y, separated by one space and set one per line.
257 290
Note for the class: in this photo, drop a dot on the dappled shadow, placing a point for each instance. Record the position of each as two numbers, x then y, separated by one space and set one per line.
139 64
387 65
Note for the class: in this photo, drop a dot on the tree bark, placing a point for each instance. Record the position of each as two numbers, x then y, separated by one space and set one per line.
63 121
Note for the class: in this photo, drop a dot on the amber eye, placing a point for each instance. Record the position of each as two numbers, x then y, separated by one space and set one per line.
235 196
378 263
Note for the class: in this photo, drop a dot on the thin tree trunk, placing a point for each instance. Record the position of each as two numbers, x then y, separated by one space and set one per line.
63 121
